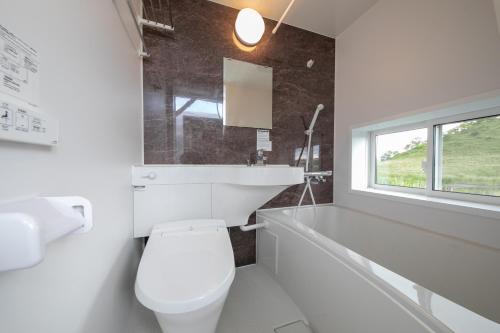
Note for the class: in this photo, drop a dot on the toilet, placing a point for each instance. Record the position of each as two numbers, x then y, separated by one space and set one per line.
185 274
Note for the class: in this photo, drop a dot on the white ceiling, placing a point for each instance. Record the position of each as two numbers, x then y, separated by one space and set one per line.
326 17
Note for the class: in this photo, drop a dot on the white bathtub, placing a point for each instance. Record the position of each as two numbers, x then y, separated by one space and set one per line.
341 291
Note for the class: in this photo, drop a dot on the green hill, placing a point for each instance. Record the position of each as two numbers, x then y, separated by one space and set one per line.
471 160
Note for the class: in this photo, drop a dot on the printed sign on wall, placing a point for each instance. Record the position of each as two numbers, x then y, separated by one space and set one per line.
18 68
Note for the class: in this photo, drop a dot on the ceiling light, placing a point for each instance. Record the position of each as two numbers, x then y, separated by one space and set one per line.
249 26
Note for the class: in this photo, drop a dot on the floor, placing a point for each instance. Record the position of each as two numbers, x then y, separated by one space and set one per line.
256 304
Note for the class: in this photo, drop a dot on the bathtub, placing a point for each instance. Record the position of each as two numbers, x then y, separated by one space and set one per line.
339 290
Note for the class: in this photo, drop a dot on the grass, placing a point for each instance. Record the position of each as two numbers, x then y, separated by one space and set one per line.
471 160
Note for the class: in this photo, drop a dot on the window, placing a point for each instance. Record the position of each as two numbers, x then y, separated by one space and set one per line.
401 158
456 157
467 156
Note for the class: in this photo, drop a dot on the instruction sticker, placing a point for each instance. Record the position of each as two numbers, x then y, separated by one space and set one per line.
263 141
18 67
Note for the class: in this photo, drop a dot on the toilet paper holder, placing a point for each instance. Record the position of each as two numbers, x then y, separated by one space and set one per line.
27 226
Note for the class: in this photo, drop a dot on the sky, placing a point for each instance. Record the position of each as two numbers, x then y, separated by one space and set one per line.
398 141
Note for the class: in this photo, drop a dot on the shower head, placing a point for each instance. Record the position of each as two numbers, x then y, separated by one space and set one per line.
313 122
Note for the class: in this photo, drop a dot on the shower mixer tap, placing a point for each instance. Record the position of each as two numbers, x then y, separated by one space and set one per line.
312 177
259 157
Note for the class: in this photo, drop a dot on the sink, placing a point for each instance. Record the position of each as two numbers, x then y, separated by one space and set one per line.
164 193
269 175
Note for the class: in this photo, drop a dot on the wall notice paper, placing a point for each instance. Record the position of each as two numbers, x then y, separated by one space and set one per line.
21 120
18 68
263 141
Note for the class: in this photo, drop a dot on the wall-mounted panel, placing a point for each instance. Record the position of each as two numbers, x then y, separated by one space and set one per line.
183 94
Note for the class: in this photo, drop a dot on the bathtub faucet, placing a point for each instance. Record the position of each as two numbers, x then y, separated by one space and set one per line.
318 176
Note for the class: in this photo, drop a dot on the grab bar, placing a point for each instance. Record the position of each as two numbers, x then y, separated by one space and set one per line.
256 226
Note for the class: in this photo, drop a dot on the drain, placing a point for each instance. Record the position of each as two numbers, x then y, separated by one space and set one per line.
298 326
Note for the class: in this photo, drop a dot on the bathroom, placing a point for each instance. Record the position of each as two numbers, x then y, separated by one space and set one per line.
141 193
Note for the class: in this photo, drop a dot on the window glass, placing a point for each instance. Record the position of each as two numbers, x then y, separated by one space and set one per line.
467 156
401 158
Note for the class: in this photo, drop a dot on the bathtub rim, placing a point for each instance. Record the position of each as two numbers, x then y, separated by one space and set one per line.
411 226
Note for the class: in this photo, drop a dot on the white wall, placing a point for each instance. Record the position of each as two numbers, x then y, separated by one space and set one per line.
406 55
91 81
497 9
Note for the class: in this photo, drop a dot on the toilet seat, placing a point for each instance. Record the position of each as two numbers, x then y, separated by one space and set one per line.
185 266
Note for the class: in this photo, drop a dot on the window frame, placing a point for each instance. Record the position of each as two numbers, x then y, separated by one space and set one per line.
431 168
373 159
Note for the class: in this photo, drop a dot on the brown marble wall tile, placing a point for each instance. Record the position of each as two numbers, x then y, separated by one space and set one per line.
243 243
183 82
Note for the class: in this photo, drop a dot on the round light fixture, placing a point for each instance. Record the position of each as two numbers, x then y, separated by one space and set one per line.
249 26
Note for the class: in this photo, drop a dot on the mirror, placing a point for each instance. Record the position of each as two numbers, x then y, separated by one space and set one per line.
248 95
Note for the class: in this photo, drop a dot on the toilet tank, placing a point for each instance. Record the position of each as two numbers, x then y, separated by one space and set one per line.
167 193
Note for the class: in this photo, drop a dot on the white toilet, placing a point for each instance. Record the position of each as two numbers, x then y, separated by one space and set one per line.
185 274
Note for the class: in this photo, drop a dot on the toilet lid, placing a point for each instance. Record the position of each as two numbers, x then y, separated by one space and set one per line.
185 266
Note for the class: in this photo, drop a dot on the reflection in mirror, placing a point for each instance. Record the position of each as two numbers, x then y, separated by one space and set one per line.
248 95
191 114
199 108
